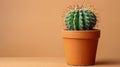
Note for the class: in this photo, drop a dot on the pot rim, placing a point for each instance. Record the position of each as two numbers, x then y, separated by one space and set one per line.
94 30
82 34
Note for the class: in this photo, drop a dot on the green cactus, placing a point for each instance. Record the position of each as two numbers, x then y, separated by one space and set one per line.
80 19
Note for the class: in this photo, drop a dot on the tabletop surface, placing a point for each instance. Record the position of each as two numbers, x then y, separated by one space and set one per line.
50 62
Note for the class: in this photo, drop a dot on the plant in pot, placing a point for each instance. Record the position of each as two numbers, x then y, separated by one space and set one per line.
80 38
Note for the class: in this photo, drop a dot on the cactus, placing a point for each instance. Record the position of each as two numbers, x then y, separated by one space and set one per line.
80 19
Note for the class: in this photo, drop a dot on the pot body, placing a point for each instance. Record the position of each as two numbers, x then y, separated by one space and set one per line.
80 46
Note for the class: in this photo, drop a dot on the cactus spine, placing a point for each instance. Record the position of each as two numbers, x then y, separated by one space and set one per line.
80 19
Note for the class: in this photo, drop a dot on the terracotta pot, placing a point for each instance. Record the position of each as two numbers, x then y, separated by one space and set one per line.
80 46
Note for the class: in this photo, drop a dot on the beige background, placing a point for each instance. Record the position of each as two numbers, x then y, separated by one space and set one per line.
33 27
